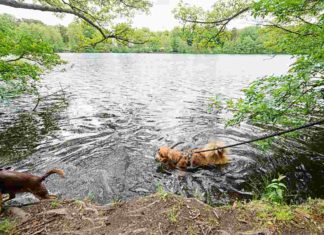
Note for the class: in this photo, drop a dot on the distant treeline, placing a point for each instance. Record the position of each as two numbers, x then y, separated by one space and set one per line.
77 37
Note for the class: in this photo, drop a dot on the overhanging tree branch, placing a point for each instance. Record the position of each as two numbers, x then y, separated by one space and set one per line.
127 4
72 10
16 59
16 4
221 22
271 24
218 22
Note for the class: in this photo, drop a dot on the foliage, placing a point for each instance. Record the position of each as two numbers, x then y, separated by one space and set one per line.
24 55
275 190
79 37
215 103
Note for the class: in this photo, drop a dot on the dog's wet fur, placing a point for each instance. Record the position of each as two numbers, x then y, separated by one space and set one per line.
13 182
176 159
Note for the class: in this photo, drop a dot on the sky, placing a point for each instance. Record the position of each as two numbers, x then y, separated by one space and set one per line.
159 18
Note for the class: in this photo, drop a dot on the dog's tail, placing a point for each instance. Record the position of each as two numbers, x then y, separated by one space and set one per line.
53 171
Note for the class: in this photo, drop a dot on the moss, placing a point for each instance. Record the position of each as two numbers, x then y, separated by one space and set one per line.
284 215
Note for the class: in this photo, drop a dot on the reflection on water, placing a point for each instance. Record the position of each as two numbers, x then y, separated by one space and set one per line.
122 107
19 139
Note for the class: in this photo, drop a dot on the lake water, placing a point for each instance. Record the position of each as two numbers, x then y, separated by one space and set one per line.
117 109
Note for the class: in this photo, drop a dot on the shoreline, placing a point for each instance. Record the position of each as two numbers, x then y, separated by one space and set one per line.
164 213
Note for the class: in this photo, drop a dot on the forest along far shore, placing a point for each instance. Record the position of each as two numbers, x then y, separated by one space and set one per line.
72 38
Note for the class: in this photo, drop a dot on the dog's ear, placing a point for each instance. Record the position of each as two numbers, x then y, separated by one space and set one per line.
163 151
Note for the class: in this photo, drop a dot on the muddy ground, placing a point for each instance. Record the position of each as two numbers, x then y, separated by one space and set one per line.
163 213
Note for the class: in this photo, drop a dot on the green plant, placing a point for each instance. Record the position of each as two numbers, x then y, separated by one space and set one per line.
55 204
162 193
7 227
173 215
275 190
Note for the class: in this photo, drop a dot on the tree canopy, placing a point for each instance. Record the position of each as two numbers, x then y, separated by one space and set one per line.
23 56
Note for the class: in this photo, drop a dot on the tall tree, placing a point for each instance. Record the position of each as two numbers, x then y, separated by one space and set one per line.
291 99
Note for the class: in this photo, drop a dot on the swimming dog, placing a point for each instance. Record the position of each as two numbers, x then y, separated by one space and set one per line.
209 158
172 158
176 159
13 182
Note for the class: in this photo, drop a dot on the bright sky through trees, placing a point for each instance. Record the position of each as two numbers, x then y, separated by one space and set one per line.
160 17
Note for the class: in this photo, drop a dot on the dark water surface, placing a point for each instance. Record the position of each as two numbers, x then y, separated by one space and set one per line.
117 109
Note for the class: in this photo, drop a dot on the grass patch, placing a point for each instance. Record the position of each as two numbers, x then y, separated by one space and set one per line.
7 227
284 214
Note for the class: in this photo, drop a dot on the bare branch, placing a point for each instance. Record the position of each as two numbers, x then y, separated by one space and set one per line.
127 4
287 30
218 22
307 22
16 59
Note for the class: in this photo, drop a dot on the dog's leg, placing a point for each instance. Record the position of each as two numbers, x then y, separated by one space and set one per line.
44 195
51 197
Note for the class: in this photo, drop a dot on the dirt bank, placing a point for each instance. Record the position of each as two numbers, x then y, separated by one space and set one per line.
163 213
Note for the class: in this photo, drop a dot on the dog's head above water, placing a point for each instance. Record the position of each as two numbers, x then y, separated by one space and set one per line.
172 158
162 154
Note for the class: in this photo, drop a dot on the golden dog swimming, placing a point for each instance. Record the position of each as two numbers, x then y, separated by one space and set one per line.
173 158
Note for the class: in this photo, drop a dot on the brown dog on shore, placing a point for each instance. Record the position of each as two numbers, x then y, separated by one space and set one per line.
176 159
13 182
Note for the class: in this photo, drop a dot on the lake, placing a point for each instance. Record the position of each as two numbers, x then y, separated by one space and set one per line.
103 116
